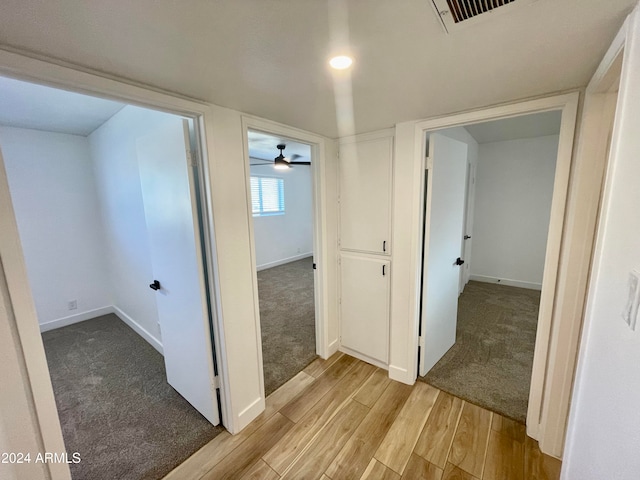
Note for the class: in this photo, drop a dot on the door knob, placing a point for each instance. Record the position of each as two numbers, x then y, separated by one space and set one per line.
459 261
155 285
467 237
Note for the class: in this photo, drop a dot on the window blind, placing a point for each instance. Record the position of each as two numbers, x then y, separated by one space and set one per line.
267 195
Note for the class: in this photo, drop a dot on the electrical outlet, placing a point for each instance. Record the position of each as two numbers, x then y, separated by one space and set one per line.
630 312
72 304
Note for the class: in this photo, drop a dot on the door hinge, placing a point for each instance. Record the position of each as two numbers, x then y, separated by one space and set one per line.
216 382
429 163
192 158
421 342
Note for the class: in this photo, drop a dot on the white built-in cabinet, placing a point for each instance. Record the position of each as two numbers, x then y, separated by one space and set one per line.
365 195
364 305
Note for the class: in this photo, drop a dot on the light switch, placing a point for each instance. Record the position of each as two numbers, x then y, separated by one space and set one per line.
630 312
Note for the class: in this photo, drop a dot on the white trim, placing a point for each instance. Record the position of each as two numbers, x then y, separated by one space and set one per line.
249 414
98 312
333 347
139 329
399 374
506 281
77 318
320 238
410 148
284 261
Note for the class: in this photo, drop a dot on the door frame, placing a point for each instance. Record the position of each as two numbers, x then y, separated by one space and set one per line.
552 328
320 257
28 338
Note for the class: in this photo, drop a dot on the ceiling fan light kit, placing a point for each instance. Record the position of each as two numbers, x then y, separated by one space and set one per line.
281 163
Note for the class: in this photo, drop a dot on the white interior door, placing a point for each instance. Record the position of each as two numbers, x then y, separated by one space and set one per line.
443 234
167 182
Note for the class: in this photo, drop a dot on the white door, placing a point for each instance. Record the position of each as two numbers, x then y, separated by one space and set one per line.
364 306
167 184
445 206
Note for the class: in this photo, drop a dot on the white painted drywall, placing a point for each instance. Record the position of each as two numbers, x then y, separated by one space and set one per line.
603 438
461 134
288 237
513 192
114 154
53 192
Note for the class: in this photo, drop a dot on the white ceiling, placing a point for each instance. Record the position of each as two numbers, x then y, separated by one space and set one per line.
264 146
269 57
27 105
525 126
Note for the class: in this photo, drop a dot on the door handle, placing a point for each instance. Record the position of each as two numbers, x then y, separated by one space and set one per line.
459 261
467 237
155 285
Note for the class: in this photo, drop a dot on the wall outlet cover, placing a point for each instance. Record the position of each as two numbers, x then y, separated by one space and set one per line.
72 304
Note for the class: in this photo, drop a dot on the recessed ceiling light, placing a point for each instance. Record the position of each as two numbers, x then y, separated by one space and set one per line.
341 62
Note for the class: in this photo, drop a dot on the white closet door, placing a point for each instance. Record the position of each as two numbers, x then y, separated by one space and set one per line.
364 306
170 209
365 195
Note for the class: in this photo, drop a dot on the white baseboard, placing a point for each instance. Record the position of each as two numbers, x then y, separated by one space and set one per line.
88 315
247 415
283 261
506 281
78 317
400 375
139 329
333 348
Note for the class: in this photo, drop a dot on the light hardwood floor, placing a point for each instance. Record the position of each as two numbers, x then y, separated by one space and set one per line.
344 419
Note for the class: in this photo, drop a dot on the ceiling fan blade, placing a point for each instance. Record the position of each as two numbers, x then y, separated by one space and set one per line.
299 163
295 156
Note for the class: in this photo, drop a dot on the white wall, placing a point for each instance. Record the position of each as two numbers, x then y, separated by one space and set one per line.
514 188
53 192
115 161
603 438
288 237
462 135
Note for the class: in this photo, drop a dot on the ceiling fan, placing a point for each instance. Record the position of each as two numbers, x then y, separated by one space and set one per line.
281 162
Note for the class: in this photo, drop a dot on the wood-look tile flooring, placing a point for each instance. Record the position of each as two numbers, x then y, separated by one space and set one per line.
344 419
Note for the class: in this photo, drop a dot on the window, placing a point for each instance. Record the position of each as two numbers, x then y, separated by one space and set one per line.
267 196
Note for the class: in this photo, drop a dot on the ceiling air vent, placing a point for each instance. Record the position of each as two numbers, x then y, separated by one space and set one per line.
455 14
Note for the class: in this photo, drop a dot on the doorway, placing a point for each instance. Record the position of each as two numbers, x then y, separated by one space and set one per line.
281 189
487 222
87 218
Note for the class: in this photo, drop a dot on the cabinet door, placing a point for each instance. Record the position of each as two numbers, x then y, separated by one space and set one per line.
365 195
364 306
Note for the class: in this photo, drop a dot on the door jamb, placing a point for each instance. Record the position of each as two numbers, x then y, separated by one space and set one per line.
548 324
320 257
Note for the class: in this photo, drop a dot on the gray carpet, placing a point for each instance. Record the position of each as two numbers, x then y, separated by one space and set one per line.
115 405
287 320
490 364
